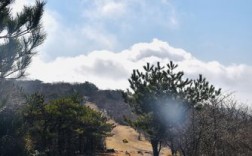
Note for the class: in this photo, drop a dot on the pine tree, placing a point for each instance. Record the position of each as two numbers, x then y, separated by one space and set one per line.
161 97
20 34
63 126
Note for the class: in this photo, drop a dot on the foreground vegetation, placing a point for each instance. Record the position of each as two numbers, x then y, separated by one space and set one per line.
40 126
189 116
59 127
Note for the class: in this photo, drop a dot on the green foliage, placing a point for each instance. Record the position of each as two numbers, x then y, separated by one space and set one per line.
161 97
64 126
20 35
11 142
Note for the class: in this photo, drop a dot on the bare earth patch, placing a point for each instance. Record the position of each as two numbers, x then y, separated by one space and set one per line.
133 147
125 141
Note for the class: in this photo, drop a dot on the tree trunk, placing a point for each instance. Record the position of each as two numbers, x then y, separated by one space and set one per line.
154 144
173 150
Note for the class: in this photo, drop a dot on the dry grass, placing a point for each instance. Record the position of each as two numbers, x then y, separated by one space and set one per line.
134 147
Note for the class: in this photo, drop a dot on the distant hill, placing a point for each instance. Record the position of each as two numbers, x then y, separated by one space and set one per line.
109 101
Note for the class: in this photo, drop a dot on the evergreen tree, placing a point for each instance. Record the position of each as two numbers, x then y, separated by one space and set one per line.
20 34
161 97
63 127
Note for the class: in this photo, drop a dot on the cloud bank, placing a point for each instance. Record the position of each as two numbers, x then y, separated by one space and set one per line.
110 70
106 24
96 25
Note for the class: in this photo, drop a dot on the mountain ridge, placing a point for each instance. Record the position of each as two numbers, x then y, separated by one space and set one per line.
110 102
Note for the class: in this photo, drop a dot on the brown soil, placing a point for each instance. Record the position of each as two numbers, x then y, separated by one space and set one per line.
131 146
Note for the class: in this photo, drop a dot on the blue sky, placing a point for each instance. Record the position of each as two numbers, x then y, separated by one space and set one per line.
209 29
102 41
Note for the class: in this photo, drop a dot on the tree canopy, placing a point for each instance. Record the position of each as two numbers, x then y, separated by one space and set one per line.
162 98
63 126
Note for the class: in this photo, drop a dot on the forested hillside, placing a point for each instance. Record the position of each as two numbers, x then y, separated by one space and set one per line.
109 101
220 121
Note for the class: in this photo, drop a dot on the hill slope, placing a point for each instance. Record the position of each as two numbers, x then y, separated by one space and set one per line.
109 102
133 147
125 141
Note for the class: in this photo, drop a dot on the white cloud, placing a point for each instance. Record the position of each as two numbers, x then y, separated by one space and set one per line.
109 69
99 36
61 38
106 24
18 5
113 8
110 9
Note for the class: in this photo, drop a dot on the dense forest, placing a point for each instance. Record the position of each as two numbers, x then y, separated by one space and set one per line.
59 127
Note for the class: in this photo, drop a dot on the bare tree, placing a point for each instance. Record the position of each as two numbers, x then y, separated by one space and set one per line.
222 128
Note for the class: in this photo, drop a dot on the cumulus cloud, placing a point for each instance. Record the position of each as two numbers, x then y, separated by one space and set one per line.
110 70
105 25
98 25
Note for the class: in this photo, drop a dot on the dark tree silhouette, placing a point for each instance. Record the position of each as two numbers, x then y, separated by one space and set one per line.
19 36
162 98
63 126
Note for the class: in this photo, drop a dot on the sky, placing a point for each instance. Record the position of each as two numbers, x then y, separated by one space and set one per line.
102 41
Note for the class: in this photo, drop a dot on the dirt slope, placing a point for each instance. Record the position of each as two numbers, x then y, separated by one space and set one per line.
133 147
